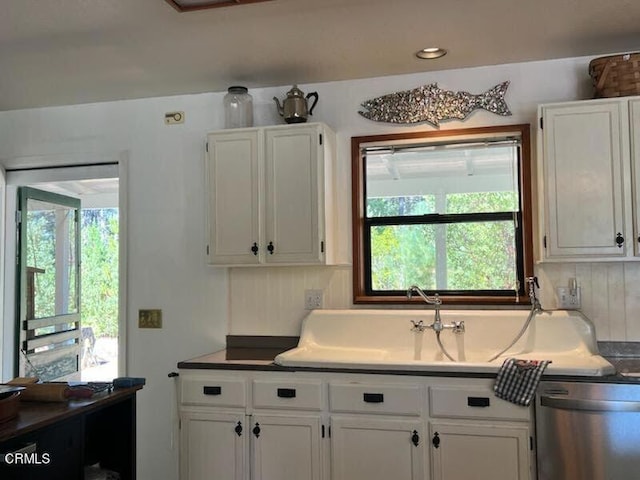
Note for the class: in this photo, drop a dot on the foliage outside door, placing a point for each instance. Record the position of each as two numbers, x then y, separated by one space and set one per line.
48 270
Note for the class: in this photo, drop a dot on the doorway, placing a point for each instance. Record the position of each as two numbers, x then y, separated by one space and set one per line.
96 342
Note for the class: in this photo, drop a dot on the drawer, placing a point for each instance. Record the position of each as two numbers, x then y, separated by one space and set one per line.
211 391
478 403
374 398
287 394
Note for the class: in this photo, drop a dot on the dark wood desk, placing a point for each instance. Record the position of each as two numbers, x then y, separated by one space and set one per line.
68 436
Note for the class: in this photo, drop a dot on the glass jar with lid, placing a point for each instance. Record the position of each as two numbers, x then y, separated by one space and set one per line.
238 108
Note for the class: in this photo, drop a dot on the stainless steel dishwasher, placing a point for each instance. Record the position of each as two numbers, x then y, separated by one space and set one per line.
588 431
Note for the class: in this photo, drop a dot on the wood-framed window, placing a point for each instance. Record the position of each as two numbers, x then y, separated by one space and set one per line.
449 211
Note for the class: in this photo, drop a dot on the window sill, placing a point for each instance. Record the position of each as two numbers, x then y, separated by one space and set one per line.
458 300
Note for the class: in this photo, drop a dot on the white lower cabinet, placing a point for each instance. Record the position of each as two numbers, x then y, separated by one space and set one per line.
476 435
376 449
212 445
251 425
377 430
285 447
472 451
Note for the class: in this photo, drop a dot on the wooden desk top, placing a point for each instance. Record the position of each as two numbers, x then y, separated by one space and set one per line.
35 415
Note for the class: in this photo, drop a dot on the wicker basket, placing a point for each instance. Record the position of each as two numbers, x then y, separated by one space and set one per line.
616 75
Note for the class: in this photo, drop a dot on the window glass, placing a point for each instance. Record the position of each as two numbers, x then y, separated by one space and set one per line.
458 256
463 179
446 215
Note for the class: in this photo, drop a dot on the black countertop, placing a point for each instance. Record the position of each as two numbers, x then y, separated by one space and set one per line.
626 367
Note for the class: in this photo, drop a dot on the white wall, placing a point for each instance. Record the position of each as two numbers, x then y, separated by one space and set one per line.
165 242
167 232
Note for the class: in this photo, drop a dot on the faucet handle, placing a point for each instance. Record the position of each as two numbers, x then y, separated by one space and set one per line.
458 326
418 326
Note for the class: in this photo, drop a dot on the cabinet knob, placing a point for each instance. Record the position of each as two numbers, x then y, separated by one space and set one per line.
271 248
238 429
436 440
254 248
415 438
256 430
619 240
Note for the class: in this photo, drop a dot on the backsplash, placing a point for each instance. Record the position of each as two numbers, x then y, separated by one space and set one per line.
270 301
610 295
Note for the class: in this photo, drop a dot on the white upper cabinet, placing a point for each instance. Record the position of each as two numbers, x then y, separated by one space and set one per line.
634 115
294 195
585 165
234 192
271 196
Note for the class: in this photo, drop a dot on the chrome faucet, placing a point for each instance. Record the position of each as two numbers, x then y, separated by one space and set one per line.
437 325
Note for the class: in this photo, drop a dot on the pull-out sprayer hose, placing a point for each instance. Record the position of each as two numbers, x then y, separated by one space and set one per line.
532 313
442 349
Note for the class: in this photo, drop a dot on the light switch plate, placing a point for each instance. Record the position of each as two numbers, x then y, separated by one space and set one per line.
149 318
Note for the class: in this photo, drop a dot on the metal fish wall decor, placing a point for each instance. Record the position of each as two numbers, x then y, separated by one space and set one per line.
431 104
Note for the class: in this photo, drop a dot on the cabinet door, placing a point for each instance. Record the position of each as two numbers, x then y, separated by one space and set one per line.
376 449
234 191
471 451
634 113
285 447
585 158
213 445
293 178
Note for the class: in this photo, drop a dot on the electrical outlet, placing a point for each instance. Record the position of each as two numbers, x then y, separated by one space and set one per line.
149 318
313 299
568 299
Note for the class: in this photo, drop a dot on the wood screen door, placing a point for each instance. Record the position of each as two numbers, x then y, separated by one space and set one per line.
48 279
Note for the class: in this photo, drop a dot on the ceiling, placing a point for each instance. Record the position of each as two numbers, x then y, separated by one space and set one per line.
61 52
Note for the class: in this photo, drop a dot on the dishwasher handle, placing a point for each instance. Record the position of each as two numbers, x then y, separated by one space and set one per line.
589 405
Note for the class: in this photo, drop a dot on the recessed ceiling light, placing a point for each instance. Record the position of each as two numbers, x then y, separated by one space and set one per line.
431 53
191 5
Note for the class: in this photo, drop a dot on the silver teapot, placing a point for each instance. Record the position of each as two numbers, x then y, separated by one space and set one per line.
294 108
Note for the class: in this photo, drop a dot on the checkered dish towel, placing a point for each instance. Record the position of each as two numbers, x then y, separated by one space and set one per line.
518 379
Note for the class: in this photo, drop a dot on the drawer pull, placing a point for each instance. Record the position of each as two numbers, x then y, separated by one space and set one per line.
212 390
478 402
373 397
287 392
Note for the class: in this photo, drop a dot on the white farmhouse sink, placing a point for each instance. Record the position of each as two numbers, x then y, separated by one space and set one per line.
383 340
